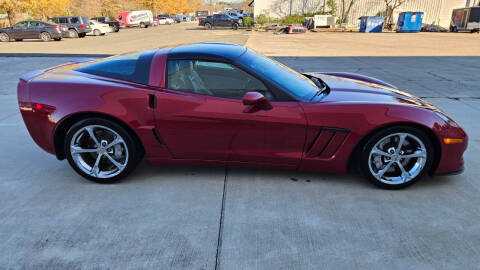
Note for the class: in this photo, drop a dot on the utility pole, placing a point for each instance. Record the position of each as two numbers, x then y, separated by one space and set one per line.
290 7
324 6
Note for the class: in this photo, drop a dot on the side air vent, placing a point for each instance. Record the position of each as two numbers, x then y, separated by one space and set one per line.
326 143
159 140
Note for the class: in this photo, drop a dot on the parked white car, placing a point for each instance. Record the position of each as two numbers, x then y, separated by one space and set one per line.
165 20
100 29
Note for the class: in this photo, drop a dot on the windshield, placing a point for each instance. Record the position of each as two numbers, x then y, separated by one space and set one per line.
286 78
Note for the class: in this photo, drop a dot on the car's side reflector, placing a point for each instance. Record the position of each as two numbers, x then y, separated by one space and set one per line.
452 140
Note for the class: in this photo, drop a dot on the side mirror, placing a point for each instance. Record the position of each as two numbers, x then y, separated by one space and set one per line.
255 102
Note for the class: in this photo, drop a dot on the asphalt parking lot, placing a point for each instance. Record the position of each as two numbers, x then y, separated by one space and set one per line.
229 218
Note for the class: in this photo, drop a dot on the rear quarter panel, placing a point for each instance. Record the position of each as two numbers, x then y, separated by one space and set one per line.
72 93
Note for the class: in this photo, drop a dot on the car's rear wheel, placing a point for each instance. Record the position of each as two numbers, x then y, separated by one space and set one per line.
101 150
18 39
235 26
57 39
45 36
397 157
4 37
73 33
208 26
96 32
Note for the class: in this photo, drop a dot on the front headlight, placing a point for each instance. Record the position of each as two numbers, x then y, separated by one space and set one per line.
447 119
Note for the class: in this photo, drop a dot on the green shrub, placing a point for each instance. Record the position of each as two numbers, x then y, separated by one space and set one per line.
247 21
262 19
294 19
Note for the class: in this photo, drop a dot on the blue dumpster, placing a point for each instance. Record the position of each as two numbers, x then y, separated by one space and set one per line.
409 22
371 24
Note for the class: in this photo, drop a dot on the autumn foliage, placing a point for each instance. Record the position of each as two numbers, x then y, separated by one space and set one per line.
43 9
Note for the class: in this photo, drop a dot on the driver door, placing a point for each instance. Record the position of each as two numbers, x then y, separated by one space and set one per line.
201 116
20 30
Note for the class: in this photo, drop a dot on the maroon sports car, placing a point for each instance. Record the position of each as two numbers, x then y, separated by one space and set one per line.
223 104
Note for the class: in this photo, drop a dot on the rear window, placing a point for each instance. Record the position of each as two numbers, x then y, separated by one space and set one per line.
130 67
75 20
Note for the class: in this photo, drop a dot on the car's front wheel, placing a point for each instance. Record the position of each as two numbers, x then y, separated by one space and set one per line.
101 150
397 157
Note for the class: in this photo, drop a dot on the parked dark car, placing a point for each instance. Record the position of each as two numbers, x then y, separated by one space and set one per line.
31 30
78 26
113 23
220 20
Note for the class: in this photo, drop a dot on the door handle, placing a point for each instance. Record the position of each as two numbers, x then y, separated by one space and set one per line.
152 101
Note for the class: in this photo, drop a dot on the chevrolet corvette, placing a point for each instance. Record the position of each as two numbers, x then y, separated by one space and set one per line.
218 104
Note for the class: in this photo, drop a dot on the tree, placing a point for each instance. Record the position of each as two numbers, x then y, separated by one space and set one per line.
390 6
346 7
12 7
43 9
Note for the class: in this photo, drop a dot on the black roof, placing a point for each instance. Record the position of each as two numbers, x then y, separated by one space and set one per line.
213 51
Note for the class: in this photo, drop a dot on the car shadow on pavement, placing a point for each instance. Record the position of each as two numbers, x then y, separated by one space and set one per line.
146 173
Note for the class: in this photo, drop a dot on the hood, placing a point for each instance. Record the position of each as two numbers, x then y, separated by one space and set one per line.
356 91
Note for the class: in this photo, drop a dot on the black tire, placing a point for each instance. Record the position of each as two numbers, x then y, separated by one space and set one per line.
45 36
57 39
4 37
364 162
18 39
235 26
142 25
82 35
73 33
135 152
208 26
117 28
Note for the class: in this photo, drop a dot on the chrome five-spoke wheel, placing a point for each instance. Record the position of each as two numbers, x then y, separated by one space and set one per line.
101 150
397 157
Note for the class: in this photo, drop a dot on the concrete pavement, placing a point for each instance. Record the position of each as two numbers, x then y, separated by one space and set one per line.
207 218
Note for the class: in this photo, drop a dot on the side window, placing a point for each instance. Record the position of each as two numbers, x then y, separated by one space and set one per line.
21 24
35 24
75 20
213 79
63 20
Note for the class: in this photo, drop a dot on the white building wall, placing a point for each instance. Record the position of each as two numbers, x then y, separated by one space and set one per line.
436 11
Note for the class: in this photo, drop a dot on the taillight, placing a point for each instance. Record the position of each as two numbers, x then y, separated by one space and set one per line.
58 28
82 26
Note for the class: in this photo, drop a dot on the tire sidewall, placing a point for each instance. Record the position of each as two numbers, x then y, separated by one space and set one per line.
365 154
134 151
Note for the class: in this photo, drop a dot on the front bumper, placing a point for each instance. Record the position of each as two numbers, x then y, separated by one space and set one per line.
451 159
